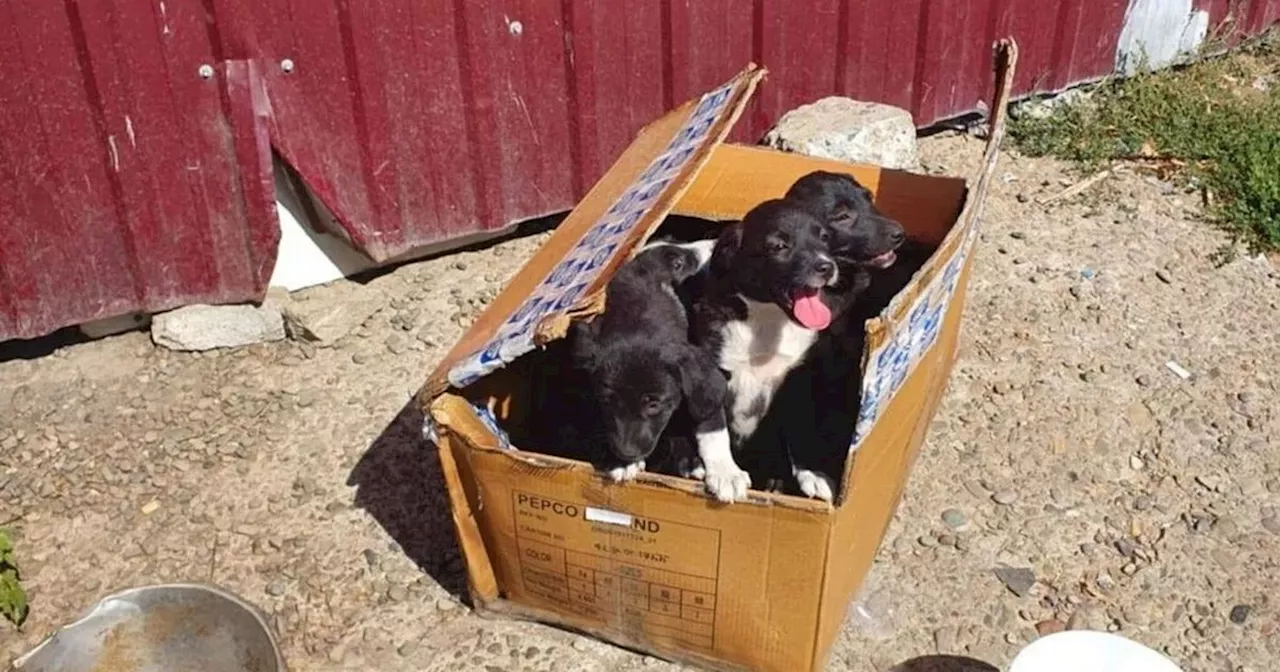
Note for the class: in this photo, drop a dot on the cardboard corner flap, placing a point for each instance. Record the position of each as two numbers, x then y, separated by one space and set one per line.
620 211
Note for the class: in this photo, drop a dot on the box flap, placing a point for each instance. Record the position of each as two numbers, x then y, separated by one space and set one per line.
567 275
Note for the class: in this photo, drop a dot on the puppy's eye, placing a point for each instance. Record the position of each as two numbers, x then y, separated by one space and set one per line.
823 234
777 245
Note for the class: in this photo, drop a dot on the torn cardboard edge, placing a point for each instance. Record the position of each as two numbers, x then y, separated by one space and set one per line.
636 204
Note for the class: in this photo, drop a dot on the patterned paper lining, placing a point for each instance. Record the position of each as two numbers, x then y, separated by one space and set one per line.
565 284
892 363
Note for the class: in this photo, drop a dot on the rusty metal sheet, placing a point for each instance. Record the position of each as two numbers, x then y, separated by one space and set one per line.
129 182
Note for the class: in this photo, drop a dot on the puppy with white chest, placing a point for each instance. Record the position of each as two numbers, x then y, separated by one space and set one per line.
764 304
637 364
817 409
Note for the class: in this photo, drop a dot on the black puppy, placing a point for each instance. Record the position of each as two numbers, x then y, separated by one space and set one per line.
763 306
818 405
637 364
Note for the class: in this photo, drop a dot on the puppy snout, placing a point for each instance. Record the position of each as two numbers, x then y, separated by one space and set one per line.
824 268
896 235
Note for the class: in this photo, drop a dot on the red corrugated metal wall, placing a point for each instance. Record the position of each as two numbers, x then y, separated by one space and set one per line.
130 183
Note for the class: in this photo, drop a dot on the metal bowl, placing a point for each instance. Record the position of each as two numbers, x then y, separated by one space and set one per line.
162 628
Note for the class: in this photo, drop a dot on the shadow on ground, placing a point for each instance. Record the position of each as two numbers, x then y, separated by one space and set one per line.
944 664
398 481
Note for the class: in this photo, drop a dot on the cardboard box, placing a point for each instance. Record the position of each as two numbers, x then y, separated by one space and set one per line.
655 564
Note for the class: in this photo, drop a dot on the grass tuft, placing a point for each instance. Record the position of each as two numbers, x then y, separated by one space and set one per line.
1214 125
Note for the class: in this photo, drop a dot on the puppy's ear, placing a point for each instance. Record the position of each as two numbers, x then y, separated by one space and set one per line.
726 249
701 382
584 351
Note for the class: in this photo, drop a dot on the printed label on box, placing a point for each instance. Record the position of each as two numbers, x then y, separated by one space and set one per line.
655 579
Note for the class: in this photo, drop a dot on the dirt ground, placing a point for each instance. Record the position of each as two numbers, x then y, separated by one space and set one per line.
295 476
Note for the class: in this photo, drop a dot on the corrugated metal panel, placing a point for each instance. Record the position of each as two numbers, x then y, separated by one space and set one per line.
128 182
419 126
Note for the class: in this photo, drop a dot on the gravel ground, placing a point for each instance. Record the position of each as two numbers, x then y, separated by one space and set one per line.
1107 491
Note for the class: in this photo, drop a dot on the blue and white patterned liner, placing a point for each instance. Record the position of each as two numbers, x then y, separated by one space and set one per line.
891 363
564 286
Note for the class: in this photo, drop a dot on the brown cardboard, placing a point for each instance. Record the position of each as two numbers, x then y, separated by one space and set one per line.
654 564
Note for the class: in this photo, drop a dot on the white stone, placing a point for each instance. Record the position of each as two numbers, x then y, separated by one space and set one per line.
849 130
331 312
203 327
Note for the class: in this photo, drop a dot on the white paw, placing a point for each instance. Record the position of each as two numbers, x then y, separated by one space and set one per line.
698 473
726 482
627 473
815 485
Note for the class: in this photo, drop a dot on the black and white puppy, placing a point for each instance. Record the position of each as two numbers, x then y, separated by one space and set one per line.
637 363
763 306
819 406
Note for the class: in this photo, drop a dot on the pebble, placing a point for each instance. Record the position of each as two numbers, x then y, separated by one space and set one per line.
947 539
927 540
1143 380
446 605
1240 613
1165 276
150 507
944 639
1049 627
408 648
954 518
1142 503
398 593
1271 524
1136 463
581 644
276 588
1005 497
976 489
1018 580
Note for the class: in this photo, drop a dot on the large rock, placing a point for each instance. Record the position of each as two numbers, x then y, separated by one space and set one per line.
202 327
849 130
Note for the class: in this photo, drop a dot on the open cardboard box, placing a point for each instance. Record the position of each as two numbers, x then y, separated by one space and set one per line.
655 564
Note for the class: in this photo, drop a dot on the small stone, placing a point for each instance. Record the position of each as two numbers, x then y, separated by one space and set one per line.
1209 482
1142 502
944 639
1017 235
1226 528
954 518
1273 486
1049 627
1240 613
398 593
1125 547
150 507
1164 275
408 648
1129 569
927 541
359 358
962 544
1136 463
1023 197
1088 548
446 605
1143 380
975 488
947 539
204 327
1271 524
1001 388
1005 497
581 644
276 588
1019 580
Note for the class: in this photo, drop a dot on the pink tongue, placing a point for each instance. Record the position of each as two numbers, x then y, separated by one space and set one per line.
810 311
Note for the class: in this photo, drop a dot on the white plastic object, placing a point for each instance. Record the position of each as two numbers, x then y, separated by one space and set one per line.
1078 650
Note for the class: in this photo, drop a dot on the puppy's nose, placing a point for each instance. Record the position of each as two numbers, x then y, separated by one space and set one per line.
897 236
824 267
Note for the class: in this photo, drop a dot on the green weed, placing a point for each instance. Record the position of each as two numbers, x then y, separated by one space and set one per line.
13 599
1214 124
